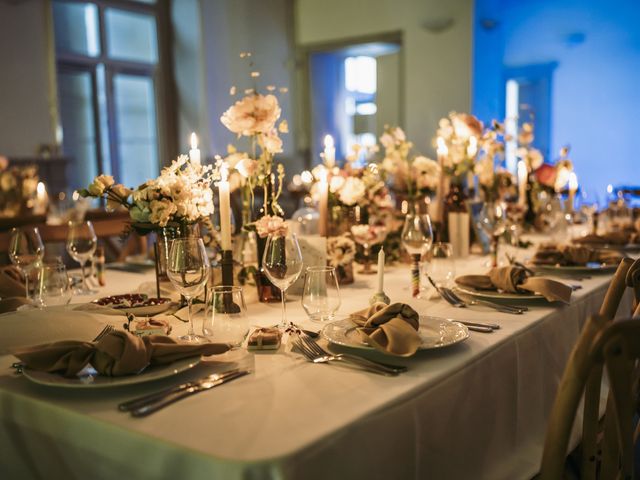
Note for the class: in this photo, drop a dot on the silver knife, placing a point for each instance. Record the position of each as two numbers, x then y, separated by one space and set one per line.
204 385
152 397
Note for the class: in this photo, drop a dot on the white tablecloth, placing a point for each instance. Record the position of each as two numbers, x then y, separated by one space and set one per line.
475 410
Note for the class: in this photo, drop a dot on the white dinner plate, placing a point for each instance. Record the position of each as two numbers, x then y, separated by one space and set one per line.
495 295
434 332
591 267
92 380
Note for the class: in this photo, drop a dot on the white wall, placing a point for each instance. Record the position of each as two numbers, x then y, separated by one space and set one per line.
209 36
25 103
437 66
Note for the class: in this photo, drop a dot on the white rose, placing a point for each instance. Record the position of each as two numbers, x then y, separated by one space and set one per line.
352 192
100 184
161 211
336 183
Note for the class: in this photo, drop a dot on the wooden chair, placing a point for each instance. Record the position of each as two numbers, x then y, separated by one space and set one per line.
602 344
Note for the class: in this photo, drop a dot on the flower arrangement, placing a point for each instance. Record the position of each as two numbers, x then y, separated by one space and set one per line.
271 225
181 195
341 251
409 173
457 142
17 187
256 117
495 181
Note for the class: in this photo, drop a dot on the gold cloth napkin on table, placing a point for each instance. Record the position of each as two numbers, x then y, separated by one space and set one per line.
517 280
390 328
567 255
118 353
11 283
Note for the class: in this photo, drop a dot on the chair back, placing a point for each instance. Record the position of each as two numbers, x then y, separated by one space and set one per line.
614 346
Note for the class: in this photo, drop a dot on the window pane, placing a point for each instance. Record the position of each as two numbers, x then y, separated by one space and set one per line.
76 28
77 115
131 36
136 123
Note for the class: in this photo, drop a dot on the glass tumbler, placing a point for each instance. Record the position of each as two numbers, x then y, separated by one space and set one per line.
53 286
321 293
226 319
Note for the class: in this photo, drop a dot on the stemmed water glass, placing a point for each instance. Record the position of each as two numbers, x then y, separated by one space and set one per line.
188 271
81 245
417 237
493 221
367 235
282 263
26 250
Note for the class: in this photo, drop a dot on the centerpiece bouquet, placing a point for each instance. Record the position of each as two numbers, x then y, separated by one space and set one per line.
495 181
18 186
255 118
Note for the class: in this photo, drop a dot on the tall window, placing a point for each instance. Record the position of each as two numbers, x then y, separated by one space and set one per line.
107 60
360 78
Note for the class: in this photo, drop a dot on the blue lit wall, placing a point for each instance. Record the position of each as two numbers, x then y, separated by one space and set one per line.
595 85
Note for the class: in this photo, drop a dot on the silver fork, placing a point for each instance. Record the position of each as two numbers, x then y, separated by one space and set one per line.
19 366
461 303
312 356
315 346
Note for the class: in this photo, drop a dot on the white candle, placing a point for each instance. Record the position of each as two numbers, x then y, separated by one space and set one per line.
225 209
40 204
194 153
522 183
329 152
573 187
323 206
440 193
381 271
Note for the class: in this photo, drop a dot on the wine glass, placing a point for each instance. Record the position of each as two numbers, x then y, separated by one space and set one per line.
492 220
368 235
188 271
26 250
54 285
417 236
81 245
321 293
282 263
226 317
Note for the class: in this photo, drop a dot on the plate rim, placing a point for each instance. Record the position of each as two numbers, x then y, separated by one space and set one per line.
363 346
182 366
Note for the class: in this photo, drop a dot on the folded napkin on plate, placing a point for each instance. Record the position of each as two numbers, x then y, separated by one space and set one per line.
517 280
610 238
11 282
390 328
571 255
118 353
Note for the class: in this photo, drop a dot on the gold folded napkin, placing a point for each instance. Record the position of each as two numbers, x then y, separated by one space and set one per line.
572 255
11 282
389 328
118 353
517 280
610 238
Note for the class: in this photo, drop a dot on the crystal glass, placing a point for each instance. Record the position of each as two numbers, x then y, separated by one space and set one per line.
282 263
417 234
367 235
321 293
81 245
440 264
226 317
188 271
54 285
492 220
26 251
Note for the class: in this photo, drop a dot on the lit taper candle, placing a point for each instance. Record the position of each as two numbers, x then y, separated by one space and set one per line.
225 209
194 153
329 152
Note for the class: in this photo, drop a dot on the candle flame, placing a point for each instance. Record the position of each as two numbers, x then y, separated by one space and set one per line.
442 147
194 141
328 142
41 189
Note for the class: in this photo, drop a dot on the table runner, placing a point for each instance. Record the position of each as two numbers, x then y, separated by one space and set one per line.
475 410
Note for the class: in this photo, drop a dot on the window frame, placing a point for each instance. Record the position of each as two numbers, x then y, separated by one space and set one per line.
160 73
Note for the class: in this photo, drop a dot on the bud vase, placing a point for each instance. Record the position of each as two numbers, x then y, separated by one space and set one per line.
458 221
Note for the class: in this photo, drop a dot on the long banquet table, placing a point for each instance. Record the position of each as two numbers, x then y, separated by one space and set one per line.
475 410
